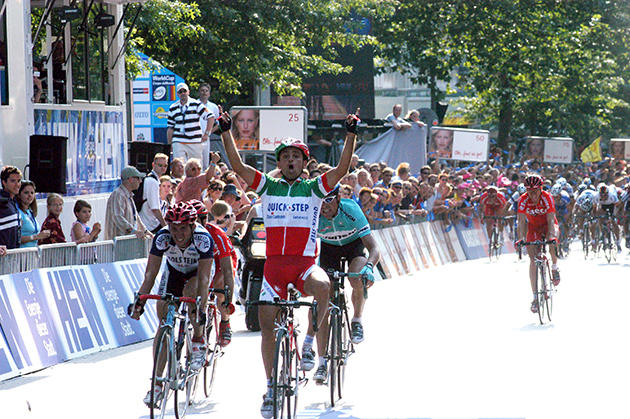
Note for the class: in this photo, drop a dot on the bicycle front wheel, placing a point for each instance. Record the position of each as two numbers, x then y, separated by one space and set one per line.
281 377
541 291
586 240
187 378
549 289
163 373
213 352
334 355
492 244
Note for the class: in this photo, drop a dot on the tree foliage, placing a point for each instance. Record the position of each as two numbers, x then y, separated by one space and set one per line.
237 44
550 68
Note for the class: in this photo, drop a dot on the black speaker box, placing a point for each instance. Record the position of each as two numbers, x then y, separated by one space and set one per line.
47 163
141 154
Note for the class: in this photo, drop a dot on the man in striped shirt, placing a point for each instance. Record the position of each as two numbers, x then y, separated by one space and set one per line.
184 125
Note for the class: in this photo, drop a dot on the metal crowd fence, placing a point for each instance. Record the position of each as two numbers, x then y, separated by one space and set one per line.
65 254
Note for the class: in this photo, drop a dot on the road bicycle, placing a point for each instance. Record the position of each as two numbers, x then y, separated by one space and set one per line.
286 377
172 373
544 285
606 238
340 345
567 235
212 336
585 227
495 243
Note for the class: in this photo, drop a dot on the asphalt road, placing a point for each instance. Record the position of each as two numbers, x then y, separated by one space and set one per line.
452 342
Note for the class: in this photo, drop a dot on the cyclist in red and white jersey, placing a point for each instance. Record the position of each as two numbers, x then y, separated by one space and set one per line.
537 221
225 259
291 208
188 249
493 204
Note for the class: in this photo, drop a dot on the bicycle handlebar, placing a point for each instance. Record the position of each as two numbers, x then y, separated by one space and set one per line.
228 297
336 275
166 297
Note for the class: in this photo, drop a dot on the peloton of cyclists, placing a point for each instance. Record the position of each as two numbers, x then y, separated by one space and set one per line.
537 221
291 207
188 249
345 234
564 207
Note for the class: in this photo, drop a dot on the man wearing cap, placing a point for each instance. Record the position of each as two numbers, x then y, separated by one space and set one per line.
184 130
121 217
291 206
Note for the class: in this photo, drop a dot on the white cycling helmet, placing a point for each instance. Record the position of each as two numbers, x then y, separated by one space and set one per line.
556 189
587 203
561 181
521 188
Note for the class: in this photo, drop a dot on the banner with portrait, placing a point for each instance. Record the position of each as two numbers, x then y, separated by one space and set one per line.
459 144
264 127
549 149
619 148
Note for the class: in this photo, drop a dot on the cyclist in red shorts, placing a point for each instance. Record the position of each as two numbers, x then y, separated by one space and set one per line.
291 207
493 204
537 221
225 260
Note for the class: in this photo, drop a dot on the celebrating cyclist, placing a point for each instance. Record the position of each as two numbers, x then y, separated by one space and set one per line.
345 234
537 221
605 201
225 260
493 204
291 207
188 248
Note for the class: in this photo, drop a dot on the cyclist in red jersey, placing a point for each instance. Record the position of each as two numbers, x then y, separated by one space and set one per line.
537 221
291 208
225 260
493 204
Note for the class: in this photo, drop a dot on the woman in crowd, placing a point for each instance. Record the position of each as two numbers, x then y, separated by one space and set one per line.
81 231
214 192
52 223
28 213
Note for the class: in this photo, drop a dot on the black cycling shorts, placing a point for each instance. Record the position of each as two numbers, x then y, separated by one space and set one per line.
609 208
174 281
331 255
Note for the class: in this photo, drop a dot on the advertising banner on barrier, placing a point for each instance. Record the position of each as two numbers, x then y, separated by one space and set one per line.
475 242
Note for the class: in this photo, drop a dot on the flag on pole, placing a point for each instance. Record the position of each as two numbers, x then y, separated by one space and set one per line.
593 152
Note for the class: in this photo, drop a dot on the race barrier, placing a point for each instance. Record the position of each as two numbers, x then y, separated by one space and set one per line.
50 315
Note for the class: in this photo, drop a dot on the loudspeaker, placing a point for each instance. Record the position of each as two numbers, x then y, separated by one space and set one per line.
47 163
141 154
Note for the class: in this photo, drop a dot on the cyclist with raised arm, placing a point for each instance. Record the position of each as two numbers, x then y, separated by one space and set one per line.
188 249
605 201
537 221
493 204
345 233
290 209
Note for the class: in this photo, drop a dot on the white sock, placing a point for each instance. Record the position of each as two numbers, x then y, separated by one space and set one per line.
356 320
554 267
322 361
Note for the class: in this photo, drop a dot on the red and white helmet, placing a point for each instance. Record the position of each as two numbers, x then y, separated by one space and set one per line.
181 213
293 142
533 181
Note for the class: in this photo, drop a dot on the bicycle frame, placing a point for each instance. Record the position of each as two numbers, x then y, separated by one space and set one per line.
544 285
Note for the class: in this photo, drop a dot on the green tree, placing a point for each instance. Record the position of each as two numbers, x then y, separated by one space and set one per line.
237 44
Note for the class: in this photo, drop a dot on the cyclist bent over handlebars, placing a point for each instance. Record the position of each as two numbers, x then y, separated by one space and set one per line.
290 207
188 248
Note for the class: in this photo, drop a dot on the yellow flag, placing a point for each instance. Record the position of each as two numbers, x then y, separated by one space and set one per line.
593 152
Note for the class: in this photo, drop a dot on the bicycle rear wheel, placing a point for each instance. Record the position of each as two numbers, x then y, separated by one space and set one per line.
213 350
162 379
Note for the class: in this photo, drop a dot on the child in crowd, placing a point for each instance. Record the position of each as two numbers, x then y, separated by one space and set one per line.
81 231
52 222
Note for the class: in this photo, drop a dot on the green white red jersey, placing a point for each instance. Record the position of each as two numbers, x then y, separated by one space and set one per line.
291 213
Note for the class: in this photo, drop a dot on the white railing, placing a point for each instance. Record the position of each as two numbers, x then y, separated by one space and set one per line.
66 254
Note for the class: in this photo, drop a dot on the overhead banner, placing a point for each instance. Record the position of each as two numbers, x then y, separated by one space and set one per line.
459 144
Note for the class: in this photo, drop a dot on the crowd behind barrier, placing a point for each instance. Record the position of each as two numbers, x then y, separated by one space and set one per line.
50 315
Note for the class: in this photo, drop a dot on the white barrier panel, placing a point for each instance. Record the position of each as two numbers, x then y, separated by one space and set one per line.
60 254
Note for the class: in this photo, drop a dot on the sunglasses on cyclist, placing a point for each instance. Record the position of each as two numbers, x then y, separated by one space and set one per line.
329 199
